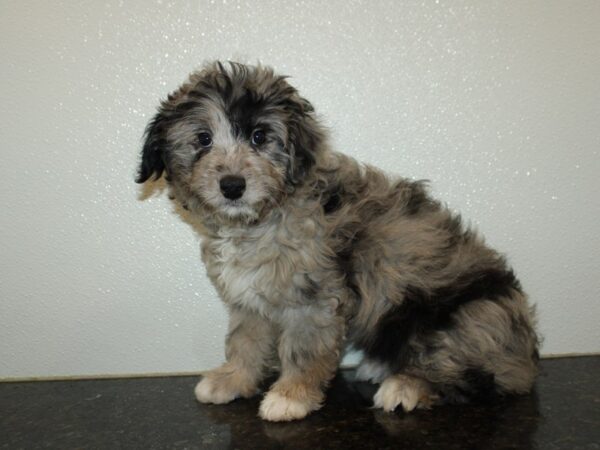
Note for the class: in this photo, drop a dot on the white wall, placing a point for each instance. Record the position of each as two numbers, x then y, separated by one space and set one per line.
497 103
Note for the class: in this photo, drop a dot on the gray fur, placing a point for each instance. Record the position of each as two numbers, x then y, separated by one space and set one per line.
322 251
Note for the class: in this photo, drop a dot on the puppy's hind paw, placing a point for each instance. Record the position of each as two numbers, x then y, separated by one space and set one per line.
410 392
209 390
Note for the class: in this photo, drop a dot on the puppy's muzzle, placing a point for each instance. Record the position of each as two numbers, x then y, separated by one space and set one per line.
232 186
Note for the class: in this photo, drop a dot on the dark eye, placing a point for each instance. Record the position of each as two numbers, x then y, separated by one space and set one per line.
258 137
205 139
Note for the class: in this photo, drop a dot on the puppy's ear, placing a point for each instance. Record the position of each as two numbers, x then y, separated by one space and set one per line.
153 152
305 136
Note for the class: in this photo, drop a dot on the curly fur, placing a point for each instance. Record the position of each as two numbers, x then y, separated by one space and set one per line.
320 251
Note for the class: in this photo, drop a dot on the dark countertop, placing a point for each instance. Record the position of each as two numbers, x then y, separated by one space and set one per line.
153 413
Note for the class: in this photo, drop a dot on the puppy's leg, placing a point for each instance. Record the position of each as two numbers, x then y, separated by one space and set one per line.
489 350
249 346
309 353
372 370
405 390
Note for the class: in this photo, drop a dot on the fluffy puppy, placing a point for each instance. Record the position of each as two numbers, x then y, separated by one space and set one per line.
311 251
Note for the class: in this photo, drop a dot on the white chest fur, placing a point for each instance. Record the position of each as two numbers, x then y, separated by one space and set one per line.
265 269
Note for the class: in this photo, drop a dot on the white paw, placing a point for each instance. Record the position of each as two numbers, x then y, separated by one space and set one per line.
210 390
402 390
277 408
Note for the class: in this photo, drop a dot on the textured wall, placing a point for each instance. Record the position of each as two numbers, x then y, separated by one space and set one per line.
496 103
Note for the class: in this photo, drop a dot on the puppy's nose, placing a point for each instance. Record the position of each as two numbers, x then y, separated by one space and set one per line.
232 186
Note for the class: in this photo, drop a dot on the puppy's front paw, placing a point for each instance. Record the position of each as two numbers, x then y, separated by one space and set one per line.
212 390
276 407
223 385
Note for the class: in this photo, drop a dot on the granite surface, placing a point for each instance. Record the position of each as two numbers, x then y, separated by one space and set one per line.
154 413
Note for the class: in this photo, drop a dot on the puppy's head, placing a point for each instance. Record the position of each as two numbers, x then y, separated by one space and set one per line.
233 142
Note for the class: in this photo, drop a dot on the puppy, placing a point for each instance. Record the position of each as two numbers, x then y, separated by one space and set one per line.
311 251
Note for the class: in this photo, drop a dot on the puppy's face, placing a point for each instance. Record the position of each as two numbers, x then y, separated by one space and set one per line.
233 142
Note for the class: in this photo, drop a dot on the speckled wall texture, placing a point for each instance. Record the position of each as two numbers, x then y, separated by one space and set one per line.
497 103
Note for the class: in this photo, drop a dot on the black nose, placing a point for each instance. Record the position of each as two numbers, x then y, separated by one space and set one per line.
232 186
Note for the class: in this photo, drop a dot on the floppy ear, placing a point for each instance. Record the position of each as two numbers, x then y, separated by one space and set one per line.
305 136
153 153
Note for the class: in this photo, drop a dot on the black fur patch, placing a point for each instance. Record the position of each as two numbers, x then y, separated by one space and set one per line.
422 313
153 154
477 386
244 114
332 203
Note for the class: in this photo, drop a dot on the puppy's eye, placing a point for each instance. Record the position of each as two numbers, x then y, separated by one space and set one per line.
205 139
258 137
